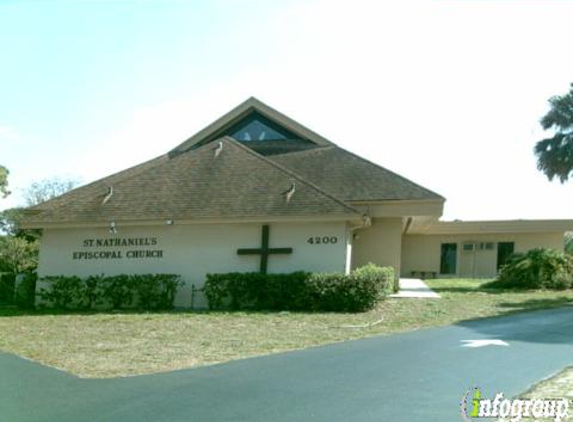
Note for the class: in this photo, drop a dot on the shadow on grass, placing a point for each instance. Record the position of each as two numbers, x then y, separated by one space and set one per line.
535 304
465 286
474 289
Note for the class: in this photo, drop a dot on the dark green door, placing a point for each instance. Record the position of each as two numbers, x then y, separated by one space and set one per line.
504 251
449 258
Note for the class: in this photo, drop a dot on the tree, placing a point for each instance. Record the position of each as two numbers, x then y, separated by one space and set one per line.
37 193
555 154
4 182
47 189
18 255
10 224
19 248
10 221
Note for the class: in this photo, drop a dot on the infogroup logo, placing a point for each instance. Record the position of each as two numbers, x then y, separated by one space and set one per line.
474 407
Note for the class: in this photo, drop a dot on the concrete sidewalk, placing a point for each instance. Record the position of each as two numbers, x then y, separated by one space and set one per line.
414 287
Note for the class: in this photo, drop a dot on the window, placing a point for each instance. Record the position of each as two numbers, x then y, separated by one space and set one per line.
449 258
256 127
504 251
486 246
468 247
257 131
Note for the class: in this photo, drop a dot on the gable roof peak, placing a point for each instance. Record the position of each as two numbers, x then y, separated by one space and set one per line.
254 101
250 105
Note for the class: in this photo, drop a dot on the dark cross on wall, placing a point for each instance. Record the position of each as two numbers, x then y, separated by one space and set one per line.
264 251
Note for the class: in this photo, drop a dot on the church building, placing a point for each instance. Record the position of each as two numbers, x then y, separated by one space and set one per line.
257 191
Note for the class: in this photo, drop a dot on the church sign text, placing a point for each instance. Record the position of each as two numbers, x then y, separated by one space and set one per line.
143 247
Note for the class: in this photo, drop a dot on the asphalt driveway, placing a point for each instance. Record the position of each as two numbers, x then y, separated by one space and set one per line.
417 376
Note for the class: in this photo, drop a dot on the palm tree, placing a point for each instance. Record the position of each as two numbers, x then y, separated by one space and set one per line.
555 154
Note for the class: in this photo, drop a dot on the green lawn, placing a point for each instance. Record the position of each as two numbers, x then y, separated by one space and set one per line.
122 344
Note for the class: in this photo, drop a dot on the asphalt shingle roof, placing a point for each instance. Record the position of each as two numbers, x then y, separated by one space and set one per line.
239 183
247 180
350 177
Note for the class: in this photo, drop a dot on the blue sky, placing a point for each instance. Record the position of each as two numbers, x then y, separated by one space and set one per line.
446 93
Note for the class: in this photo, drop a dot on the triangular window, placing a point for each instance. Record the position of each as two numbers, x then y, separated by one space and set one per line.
256 127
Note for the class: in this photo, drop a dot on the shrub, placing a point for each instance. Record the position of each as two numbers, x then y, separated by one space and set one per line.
19 290
91 292
25 291
7 281
537 269
118 290
300 291
64 292
144 291
254 290
155 291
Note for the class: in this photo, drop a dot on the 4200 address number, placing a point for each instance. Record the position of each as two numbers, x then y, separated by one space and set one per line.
322 240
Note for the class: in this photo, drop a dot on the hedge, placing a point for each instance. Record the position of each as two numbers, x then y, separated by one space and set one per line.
300 291
537 269
123 291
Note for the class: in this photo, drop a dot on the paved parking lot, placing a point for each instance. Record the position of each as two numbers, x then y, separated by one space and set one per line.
417 376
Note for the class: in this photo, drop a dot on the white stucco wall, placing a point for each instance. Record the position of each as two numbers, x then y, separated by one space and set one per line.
422 252
380 244
194 250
